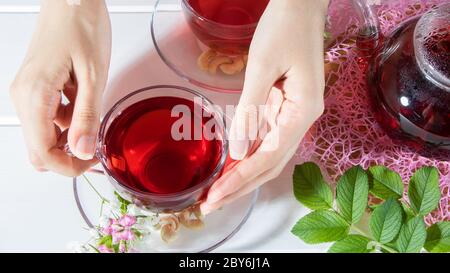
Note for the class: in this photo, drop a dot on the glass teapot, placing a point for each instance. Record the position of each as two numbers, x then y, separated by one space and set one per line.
409 76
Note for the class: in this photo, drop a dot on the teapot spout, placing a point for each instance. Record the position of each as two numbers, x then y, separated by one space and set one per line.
369 36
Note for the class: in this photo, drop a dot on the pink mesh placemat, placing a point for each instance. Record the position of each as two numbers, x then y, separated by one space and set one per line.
347 134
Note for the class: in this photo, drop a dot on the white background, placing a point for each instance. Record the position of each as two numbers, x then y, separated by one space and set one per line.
37 210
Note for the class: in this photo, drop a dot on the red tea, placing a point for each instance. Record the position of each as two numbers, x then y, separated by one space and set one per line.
222 32
142 153
230 12
407 104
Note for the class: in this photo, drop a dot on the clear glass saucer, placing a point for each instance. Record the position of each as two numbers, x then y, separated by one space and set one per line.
178 47
219 227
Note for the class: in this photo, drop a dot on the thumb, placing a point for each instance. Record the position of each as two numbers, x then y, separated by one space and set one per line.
245 124
85 123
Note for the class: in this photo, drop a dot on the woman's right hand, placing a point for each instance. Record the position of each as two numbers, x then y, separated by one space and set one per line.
69 55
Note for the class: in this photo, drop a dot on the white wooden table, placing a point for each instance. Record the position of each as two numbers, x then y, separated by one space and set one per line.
38 212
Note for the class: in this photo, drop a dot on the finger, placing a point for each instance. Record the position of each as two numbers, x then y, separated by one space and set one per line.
61 162
258 82
238 176
267 176
207 207
262 160
36 161
57 160
65 163
86 114
34 98
38 122
42 134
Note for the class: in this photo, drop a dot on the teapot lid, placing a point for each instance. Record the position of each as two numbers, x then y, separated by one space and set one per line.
432 45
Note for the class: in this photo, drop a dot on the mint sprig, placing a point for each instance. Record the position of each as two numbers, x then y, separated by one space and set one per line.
395 226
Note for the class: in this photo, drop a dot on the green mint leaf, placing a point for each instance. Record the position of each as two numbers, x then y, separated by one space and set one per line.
385 183
438 238
321 226
386 221
423 192
310 188
352 194
351 244
412 236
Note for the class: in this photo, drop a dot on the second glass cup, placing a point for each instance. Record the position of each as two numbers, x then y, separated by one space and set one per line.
162 147
226 26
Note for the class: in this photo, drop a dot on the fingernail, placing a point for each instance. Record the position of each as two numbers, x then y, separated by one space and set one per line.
238 149
85 147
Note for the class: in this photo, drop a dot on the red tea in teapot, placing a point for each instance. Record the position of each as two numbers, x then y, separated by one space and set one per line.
411 101
143 154
438 50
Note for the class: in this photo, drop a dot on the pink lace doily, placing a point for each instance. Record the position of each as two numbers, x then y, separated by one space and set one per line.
347 134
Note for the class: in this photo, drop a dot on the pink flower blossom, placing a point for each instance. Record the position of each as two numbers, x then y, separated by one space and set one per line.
121 229
127 220
115 226
107 230
126 234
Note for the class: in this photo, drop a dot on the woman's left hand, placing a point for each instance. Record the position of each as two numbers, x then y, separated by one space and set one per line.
286 52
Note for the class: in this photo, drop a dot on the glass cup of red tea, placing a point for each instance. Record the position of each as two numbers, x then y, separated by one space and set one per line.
162 147
226 26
